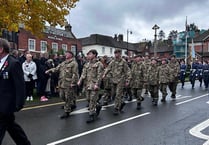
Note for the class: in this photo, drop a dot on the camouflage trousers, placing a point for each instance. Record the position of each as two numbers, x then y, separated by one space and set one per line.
172 86
68 96
163 89
93 97
107 95
154 92
137 92
117 91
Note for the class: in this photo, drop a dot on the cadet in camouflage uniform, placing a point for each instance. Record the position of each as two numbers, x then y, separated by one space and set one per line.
121 76
68 77
136 83
93 76
147 63
163 79
107 81
174 69
153 81
84 71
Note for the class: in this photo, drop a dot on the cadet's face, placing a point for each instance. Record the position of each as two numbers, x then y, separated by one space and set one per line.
1 50
154 61
117 54
68 55
90 56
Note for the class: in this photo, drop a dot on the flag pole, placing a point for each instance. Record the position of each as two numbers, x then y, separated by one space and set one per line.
186 42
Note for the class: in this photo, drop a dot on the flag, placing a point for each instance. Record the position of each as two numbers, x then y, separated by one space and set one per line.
186 25
192 50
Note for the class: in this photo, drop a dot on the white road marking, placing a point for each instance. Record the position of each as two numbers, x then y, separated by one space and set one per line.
83 110
196 131
183 97
195 98
178 96
97 129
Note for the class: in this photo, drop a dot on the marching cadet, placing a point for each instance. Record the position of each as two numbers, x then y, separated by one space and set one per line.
92 75
153 81
68 77
193 73
83 84
107 81
174 70
136 83
163 78
182 74
121 76
200 69
147 63
206 73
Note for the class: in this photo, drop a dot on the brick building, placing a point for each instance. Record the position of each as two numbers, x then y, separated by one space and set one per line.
53 41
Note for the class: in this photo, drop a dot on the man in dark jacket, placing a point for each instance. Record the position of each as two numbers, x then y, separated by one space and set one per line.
12 90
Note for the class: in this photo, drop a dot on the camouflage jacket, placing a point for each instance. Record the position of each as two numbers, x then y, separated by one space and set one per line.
153 75
147 64
137 71
174 69
68 73
119 70
92 73
163 74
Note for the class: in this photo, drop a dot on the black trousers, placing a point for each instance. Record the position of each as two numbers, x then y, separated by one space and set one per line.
7 123
29 87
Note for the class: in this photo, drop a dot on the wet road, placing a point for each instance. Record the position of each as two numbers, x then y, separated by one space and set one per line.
180 122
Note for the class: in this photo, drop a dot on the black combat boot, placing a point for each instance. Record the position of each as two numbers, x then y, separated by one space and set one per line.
115 112
90 119
105 103
130 98
155 102
98 109
163 100
65 115
122 106
73 107
173 96
138 106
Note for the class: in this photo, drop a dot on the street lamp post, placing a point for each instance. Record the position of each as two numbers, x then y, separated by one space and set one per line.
155 27
128 32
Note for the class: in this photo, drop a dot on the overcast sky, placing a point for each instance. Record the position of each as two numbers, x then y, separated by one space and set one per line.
109 17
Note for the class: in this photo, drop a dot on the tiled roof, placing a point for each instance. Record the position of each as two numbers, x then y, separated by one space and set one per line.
202 37
98 39
59 32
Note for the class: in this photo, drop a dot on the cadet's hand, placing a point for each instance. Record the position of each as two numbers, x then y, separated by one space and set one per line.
79 83
72 85
103 76
46 72
96 87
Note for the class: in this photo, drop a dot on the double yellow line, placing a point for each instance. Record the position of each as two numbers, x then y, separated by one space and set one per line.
47 105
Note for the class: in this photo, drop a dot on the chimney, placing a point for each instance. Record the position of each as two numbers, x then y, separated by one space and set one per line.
115 37
68 27
120 37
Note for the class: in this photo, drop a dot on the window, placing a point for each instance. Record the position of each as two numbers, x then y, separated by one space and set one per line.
31 44
74 49
110 50
64 47
103 50
43 46
54 47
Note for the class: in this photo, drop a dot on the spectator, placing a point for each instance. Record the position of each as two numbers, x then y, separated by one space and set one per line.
29 69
